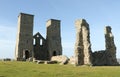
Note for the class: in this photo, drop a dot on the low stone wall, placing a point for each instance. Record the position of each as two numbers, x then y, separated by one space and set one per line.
103 58
99 58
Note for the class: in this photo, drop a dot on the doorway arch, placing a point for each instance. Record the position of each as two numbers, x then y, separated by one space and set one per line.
27 54
54 53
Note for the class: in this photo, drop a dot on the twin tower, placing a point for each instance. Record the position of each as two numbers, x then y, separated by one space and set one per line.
36 46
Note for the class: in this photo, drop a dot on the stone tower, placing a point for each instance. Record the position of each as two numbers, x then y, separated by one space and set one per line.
24 41
110 47
53 37
82 46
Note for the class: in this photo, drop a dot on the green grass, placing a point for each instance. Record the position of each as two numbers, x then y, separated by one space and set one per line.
29 69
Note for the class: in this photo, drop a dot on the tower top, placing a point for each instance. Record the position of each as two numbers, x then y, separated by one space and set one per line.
25 14
107 29
80 22
52 21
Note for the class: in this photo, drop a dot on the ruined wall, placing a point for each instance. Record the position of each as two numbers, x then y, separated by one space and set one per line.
83 53
40 47
82 45
43 49
99 58
24 41
110 46
107 56
53 37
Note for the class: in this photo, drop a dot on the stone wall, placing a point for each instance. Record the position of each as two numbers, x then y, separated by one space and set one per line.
110 46
108 56
40 47
82 45
24 44
83 53
53 37
99 58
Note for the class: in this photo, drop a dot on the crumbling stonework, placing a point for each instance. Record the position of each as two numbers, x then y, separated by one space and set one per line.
99 58
72 60
82 45
110 46
37 48
62 59
40 47
83 53
108 56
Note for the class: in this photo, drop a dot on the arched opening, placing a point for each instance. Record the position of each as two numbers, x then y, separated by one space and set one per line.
41 42
34 41
26 54
37 35
54 53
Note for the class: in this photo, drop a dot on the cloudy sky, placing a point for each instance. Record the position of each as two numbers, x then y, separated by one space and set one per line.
98 13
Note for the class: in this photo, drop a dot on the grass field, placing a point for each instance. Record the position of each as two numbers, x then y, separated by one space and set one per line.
29 69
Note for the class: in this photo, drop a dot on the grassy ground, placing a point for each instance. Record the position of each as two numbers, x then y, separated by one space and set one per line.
29 69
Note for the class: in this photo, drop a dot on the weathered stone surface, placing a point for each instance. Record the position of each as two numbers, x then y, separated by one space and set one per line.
60 59
72 60
50 62
108 56
37 46
53 37
99 58
30 59
24 44
110 46
83 45
40 47
40 62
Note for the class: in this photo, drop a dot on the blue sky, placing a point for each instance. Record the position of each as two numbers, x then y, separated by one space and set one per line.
98 13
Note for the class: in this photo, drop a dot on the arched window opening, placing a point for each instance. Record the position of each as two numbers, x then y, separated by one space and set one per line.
41 42
34 41
37 35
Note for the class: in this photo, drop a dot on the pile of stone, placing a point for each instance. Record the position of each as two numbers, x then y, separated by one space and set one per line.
72 60
44 62
62 59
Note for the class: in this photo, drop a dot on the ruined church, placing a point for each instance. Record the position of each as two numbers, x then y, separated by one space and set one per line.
40 48
36 46
83 52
